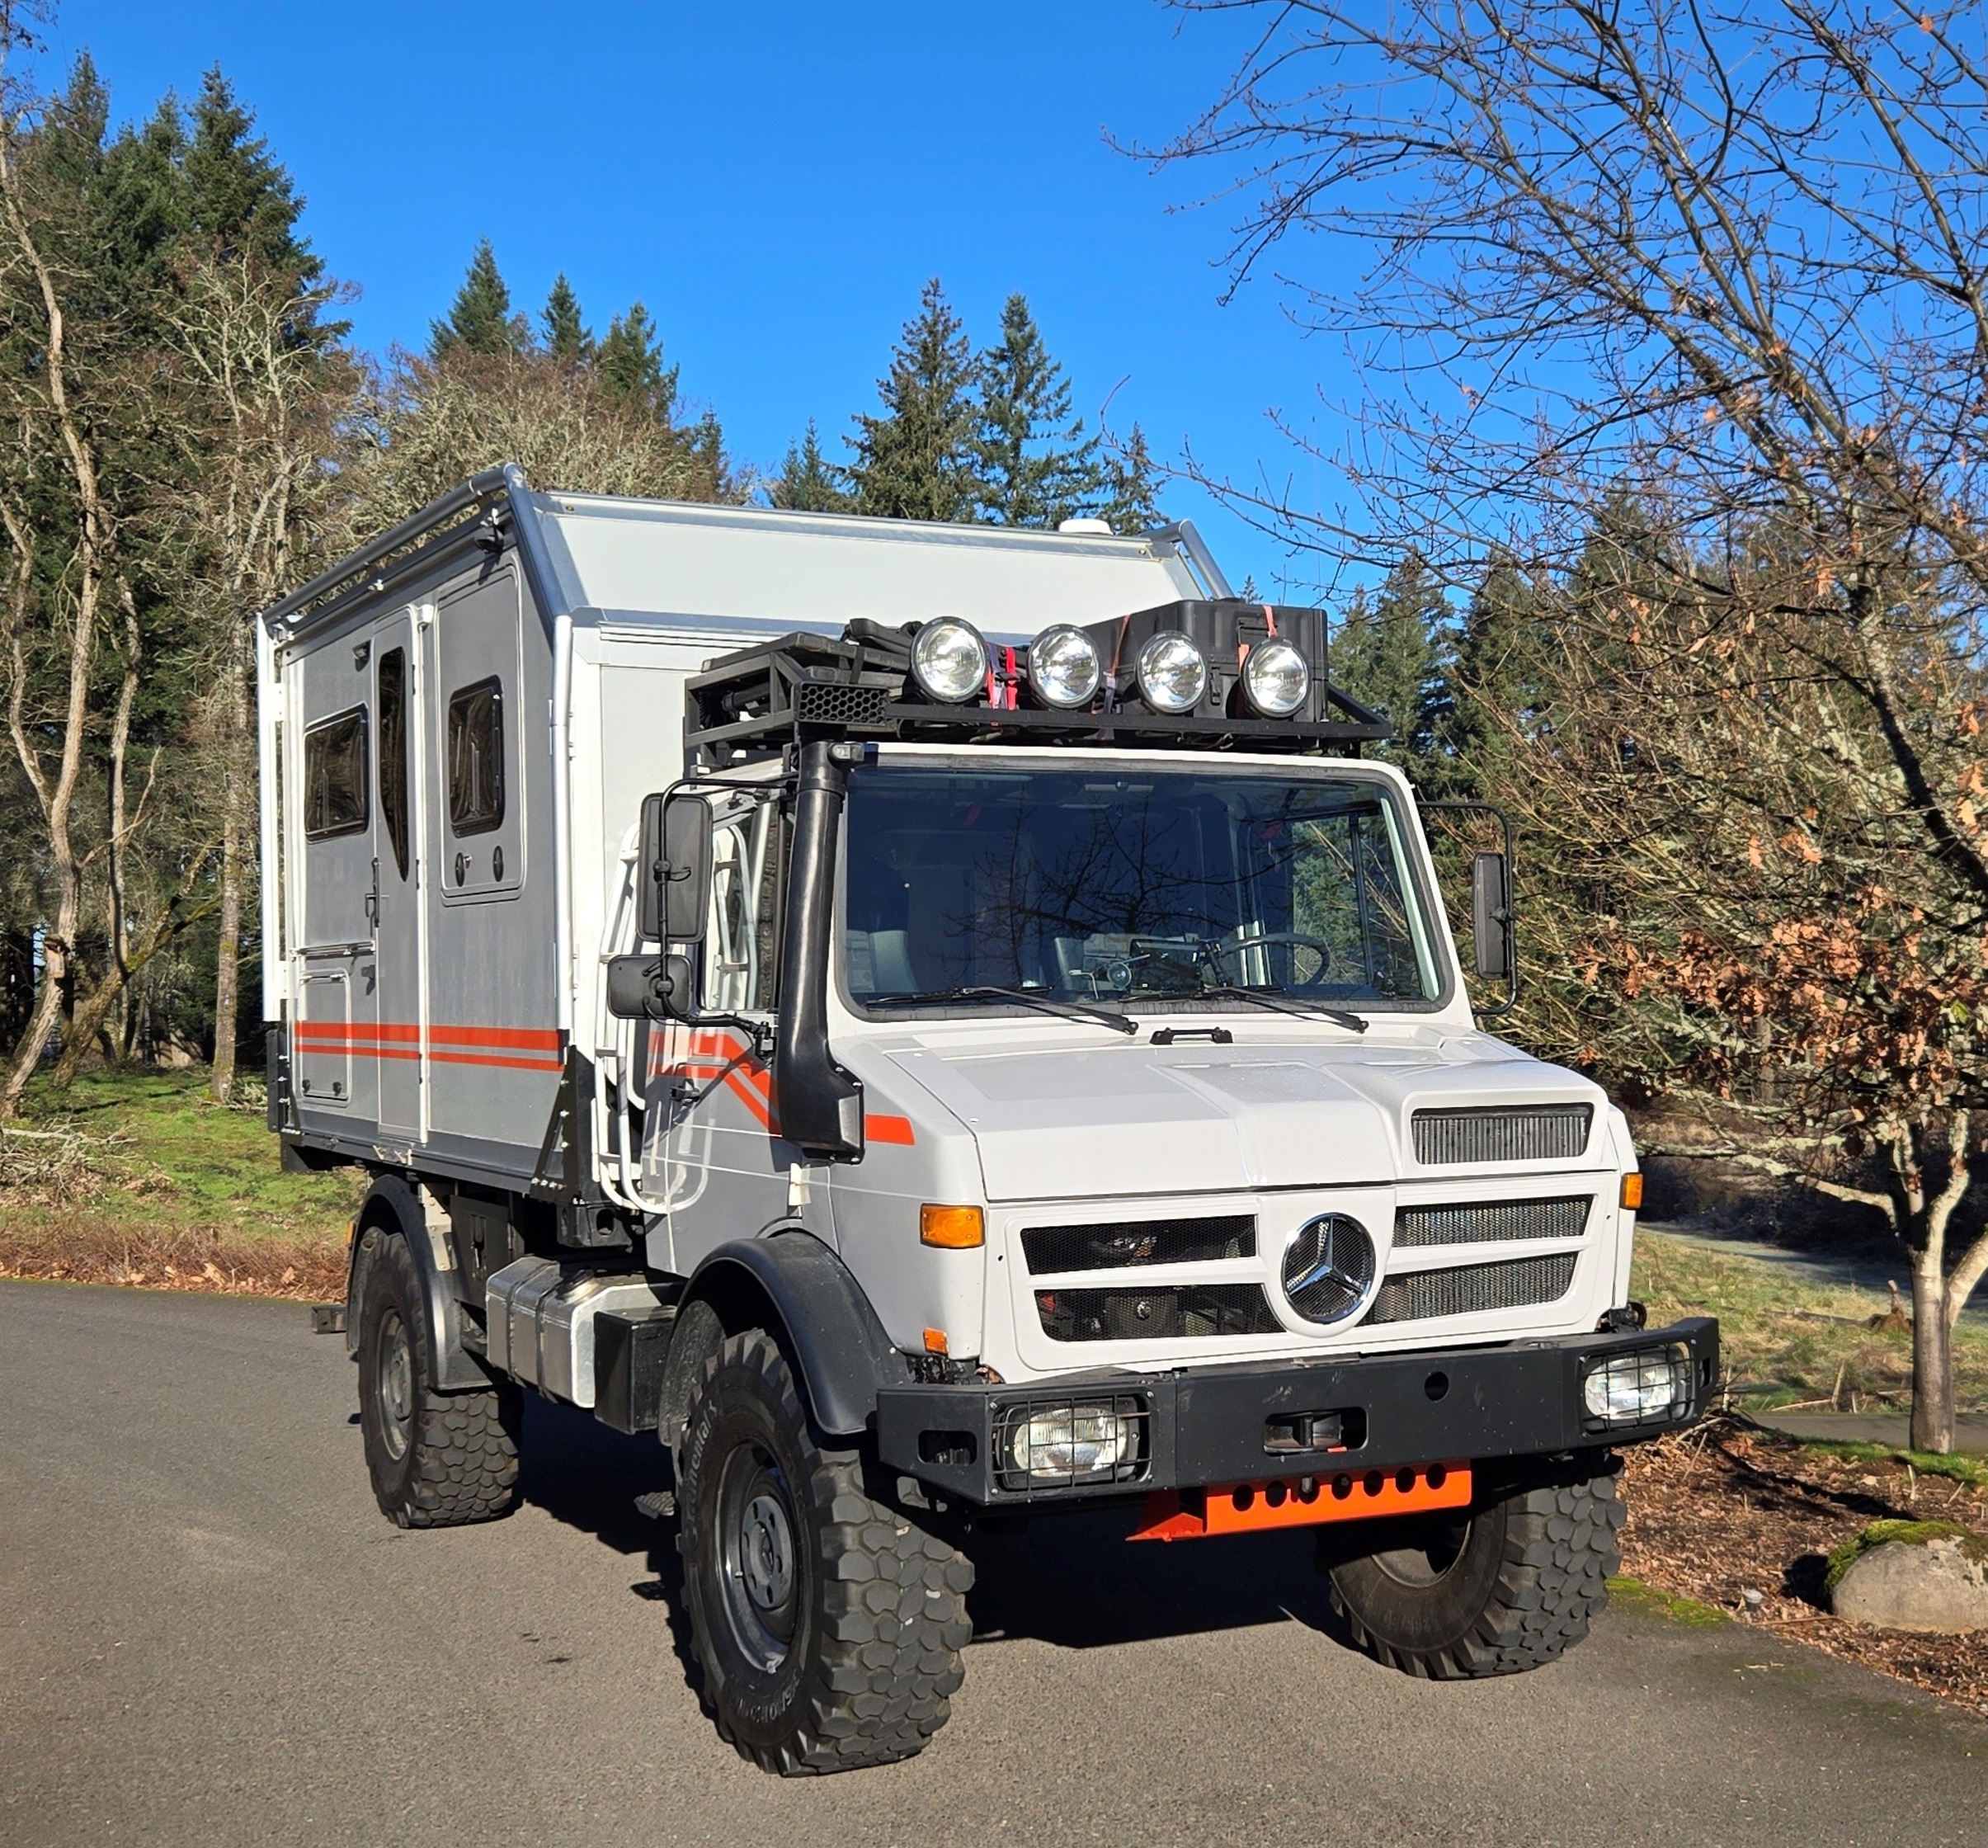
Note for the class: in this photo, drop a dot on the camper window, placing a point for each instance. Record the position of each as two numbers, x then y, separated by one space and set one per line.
335 776
394 752
476 758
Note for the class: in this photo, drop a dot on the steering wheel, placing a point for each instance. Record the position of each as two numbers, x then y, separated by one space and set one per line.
1290 939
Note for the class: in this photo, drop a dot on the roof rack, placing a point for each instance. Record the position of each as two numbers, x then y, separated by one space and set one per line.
860 685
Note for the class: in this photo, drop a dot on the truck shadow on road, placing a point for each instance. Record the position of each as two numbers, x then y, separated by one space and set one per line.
1073 1581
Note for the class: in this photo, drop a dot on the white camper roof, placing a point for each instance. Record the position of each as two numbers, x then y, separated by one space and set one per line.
690 564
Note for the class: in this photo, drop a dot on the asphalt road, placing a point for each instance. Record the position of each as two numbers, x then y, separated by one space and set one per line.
208 1635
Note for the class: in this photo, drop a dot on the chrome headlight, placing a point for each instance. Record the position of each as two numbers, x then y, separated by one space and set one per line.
1063 668
1173 672
1329 1272
949 661
1275 679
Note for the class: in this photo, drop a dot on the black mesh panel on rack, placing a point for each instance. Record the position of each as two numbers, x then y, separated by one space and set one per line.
1470 1288
1113 1246
1536 1132
1493 1221
1180 1312
817 705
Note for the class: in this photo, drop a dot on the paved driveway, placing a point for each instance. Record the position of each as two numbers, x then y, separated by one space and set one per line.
208 1636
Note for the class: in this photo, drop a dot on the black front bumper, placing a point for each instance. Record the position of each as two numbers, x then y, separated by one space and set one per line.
1231 1424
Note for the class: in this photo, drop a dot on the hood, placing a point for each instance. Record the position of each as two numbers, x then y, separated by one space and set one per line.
1068 1122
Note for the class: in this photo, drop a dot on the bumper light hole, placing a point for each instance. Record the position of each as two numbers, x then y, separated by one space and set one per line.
1437 1385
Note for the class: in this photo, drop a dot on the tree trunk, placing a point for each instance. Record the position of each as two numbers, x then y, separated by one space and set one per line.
1932 1355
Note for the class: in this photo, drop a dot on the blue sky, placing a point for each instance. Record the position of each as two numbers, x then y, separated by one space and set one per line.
776 182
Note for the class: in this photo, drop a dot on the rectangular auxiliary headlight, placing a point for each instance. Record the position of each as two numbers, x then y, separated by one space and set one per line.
1648 1386
1065 1444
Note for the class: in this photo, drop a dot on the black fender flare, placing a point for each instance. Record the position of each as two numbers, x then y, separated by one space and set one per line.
392 1208
826 1323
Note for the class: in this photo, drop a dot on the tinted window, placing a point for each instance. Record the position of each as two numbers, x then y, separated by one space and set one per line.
393 752
335 776
476 758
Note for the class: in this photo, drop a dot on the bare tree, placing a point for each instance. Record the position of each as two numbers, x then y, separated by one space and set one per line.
1730 260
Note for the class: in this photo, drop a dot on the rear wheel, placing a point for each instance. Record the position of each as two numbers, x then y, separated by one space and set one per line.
828 1625
437 1459
1509 1585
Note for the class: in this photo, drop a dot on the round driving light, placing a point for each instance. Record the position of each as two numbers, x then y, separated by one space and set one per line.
1329 1272
949 661
1063 668
1276 679
1173 675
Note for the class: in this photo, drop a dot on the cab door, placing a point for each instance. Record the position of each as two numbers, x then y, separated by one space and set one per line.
714 1157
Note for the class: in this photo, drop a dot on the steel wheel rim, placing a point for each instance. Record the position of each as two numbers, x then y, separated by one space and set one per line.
393 1387
1421 1567
759 1558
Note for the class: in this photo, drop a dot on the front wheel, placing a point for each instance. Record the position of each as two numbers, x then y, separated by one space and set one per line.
827 1625
1507 1586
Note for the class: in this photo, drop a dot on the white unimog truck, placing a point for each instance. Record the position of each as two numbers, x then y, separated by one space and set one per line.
938 1025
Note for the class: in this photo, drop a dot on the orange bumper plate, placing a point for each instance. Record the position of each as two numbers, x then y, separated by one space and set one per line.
1194 1514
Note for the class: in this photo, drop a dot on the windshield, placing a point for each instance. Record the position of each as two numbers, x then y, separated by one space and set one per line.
1157 886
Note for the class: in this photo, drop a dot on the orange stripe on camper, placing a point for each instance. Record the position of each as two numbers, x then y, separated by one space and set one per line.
717 1053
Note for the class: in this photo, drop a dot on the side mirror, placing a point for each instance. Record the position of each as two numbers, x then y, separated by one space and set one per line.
674 871
1490 915
652 987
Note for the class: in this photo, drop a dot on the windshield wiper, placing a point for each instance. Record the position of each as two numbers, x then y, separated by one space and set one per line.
1068 1010
1304 1010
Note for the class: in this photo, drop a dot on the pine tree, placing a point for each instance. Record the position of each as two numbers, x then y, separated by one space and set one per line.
1036 466
568 341
629 364
242 201
809 482
1388 656
1492 690
480 320
1131 495
915 461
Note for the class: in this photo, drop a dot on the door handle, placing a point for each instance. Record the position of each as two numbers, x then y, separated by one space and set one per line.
373 898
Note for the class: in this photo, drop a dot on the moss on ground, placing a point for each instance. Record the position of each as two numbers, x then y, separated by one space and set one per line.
1632 1594
1958 1466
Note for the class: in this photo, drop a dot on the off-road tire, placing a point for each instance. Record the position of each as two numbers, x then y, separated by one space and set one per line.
437 1459
1529 1569
847 1656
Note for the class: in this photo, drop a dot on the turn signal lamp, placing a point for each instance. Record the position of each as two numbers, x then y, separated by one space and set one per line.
949 661
1173 673
952 1228
1631 1192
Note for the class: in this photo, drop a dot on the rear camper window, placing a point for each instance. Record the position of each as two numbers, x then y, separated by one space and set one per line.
394 752
476 758
335 776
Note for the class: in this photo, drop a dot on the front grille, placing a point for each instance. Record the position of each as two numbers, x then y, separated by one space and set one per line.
1185 1311
1537 1132
1493 1221
1051 1249
1472 1288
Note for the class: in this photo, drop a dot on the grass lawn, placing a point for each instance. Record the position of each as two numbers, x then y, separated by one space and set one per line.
138 1177
1790 1339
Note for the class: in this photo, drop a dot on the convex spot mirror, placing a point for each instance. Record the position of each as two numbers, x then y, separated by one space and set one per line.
652 987
1490 915
674 872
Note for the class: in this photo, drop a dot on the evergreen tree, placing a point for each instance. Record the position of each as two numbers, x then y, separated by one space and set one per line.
1493 689
807 482
915 461
1131 493
242 201
629 364
1388 656
567 340
1036 466
480 320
